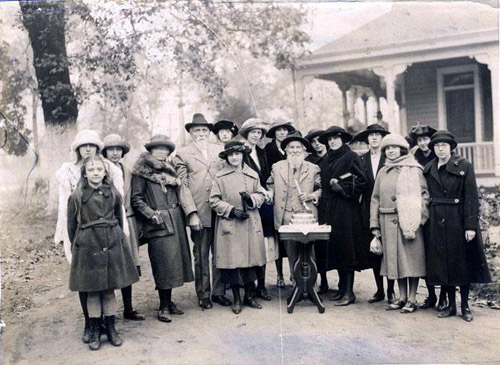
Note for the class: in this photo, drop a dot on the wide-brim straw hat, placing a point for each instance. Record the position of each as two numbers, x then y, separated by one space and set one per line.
335 131
160 140
225 124
271 133
394 140
251 124
87 136
115 140
443 136
198 121
233 146
372 128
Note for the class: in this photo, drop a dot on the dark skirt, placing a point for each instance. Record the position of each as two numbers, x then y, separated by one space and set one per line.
170 256
239 276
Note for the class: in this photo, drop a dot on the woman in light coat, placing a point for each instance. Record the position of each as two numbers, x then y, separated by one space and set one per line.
239 240
86 143
399 208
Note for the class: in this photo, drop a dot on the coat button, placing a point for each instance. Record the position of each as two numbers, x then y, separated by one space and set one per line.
104 249
395 221
445 191
100 192
442 221
457 201
393 198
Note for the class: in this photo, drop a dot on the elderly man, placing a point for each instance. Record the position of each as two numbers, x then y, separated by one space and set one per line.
196 165
292 183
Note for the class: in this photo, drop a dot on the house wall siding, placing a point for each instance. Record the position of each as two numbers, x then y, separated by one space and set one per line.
421 90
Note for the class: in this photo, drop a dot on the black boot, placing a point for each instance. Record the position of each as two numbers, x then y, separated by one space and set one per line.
113 336
236 307
95 334
86 331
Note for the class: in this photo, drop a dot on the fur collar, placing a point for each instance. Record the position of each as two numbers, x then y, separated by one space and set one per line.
160 172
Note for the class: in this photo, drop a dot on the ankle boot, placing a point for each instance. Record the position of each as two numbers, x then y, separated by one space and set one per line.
86 331
113 336
95 334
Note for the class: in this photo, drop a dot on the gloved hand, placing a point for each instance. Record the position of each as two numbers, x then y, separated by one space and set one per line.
246 197
336 186
238 214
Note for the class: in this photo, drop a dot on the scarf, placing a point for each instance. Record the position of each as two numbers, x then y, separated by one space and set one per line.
159 172
408 193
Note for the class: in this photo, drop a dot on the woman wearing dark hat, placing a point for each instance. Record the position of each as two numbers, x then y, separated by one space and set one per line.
318 150
398 210
253 131
278 132
225 130
373 161
343 181
115 148
421 136
155 199
455 253
239 241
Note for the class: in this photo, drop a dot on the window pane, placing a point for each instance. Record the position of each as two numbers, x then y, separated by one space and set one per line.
464 78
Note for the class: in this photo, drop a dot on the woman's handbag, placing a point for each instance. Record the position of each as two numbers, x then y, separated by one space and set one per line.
376 246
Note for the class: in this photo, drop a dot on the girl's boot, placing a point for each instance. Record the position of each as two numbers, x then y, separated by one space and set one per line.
95 334
113 336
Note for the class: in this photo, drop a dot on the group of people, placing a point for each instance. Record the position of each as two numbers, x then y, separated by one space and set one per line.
415 195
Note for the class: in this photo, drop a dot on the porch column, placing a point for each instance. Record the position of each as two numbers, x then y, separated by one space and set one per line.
345 112
352 104
389 74
491 60
364 97
299 86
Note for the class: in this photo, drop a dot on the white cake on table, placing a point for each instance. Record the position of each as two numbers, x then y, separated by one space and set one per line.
304 222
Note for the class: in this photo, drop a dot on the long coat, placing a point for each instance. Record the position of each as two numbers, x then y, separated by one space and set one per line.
454 209
402 258
370 183
100 259
282 190
238 244
155 191
199 172
131 240
347 248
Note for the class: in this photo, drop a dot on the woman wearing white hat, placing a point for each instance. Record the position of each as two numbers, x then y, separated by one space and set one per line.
86 143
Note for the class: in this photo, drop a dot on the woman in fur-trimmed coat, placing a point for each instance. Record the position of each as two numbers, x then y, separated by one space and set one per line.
399 208
161 221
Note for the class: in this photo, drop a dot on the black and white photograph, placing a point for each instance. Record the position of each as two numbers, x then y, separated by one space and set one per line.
249 182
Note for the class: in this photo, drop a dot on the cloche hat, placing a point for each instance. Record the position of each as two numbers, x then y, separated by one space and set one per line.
115 140
160 140
87 136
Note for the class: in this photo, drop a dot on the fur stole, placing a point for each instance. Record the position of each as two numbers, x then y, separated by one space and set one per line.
409 194
159 172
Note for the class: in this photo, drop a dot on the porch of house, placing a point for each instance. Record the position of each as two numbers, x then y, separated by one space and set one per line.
448 82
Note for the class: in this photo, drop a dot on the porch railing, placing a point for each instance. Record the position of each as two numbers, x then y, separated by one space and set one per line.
481 154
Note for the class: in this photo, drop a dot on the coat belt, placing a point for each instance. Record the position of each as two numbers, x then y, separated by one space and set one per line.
445 201
387 210
99 222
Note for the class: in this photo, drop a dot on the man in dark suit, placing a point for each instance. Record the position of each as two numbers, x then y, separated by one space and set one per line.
373 161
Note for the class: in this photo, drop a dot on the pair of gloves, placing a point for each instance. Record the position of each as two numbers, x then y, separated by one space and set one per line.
239 213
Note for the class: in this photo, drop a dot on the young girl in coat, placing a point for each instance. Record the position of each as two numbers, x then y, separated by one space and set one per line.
100 261
239 237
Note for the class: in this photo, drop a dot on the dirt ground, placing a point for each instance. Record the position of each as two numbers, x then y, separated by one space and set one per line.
44 322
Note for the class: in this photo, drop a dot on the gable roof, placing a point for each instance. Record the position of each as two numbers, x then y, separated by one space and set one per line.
412 22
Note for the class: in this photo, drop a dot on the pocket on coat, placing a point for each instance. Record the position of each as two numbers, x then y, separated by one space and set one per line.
226 226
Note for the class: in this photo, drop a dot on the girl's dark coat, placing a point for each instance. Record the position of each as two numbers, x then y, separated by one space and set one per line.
347 249
450 259
100 260
168 245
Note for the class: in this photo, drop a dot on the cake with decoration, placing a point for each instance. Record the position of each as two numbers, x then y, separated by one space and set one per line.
303 218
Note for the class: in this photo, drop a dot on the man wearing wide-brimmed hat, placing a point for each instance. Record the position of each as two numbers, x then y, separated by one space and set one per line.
292 183
197 164
373 161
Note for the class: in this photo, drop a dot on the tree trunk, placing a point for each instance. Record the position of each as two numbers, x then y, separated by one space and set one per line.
45 24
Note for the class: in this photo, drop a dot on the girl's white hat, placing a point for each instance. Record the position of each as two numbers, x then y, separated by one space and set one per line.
394 139
87 136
